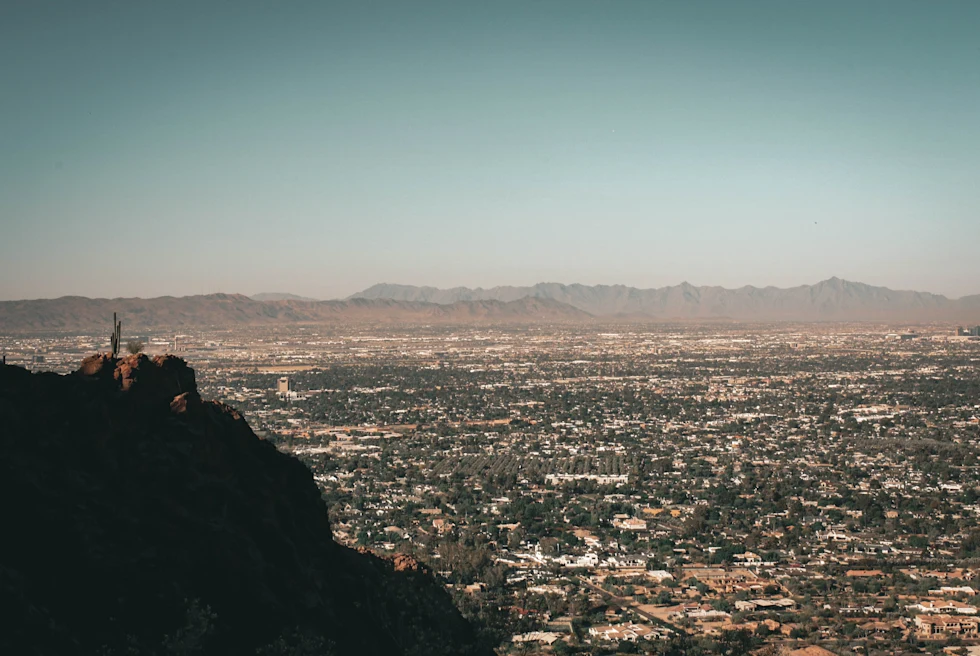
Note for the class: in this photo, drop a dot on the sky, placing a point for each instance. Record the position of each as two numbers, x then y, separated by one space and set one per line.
174 148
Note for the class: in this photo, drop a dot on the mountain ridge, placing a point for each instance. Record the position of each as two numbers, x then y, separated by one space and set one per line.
74 313
282 296
831 299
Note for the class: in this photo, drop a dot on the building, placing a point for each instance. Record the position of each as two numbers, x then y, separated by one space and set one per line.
630 524
630 632
934 625
778 604
284 385
943 606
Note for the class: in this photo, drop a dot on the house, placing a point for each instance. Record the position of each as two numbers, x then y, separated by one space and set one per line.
705 612
442 525
778 604
953 590
870 609
659 575
630 632
942 606
698 611
879 627
945 625
631 524
626 562
748 558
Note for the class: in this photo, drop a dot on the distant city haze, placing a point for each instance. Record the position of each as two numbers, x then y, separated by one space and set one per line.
183 148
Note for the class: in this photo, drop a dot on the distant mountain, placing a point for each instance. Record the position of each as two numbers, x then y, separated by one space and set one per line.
75 313
829 300
281 296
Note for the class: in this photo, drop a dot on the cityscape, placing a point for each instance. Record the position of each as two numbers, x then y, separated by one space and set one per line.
620 489
508 328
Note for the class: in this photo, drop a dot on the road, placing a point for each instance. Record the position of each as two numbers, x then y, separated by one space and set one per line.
626 603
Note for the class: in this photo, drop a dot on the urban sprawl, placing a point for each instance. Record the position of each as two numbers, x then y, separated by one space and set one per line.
718 488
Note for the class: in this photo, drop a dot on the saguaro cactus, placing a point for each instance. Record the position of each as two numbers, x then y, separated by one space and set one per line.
116 339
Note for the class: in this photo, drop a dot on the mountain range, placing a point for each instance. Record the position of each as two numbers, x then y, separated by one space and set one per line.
76 313
829 300
281 296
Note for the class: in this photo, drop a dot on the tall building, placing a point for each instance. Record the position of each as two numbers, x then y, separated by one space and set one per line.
284 385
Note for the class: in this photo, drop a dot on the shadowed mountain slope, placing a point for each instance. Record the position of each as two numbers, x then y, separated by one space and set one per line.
139 519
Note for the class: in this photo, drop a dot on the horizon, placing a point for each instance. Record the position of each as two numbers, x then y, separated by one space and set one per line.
681 352
185 149
300 297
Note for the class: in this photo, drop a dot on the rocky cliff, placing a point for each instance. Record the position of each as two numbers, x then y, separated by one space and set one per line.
140 519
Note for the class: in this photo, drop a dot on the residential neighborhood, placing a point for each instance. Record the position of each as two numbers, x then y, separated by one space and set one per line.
808 489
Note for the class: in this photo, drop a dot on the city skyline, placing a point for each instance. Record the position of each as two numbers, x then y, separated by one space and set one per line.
319 149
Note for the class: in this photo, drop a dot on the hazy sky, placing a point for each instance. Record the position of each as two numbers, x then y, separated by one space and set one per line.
152 148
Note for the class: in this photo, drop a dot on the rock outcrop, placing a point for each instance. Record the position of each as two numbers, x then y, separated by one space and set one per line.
140 519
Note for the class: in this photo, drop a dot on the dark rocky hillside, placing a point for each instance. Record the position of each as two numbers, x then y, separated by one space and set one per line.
139 519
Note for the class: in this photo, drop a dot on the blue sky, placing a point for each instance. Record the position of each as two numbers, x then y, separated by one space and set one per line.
151 148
